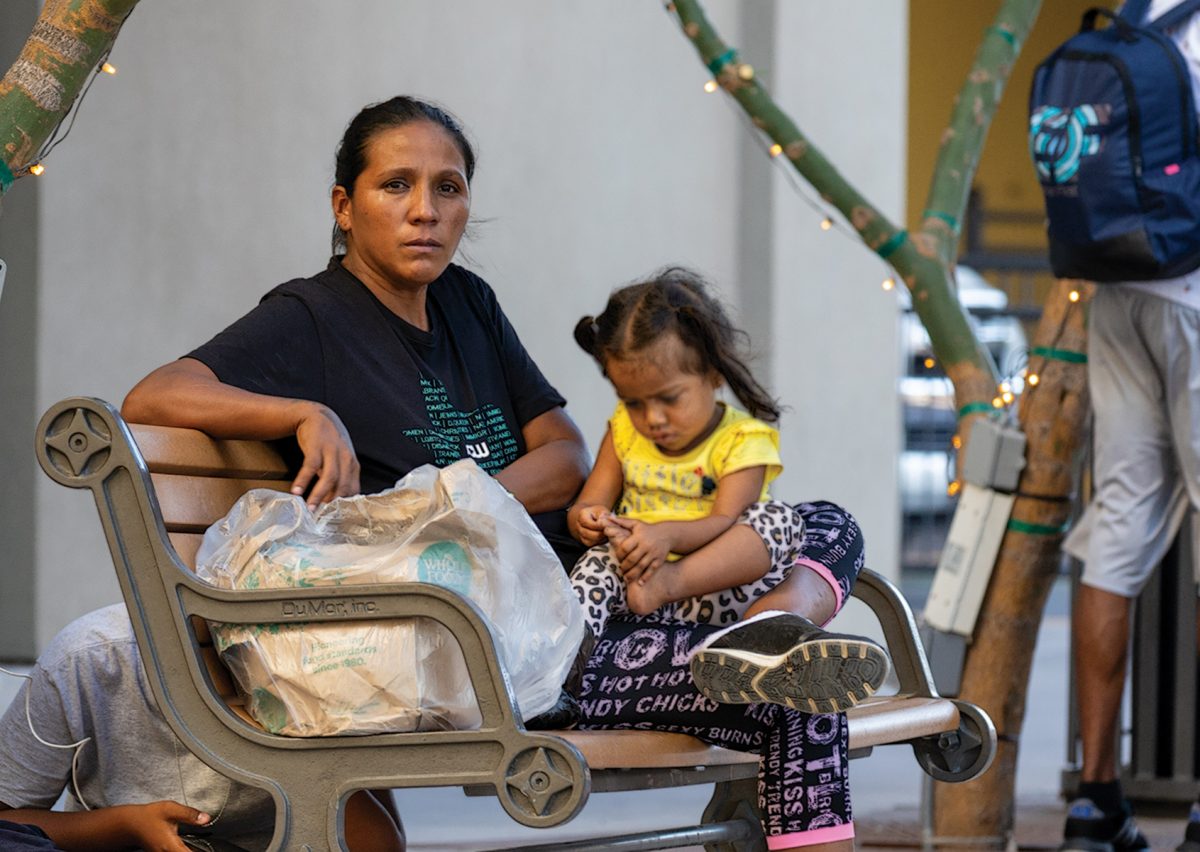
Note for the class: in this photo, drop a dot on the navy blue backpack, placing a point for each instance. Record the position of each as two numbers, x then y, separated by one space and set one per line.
1113 133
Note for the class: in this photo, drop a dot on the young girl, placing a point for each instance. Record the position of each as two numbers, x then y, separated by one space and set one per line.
694 534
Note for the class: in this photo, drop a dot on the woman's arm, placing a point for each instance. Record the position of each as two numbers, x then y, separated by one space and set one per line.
553 467
187 393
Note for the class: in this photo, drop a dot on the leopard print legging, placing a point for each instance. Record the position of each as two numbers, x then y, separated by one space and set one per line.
601 590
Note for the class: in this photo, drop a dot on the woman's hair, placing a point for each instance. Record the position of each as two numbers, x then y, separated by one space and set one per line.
351 156
676 301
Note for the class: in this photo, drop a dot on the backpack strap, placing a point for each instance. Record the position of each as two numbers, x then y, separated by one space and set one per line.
1175 16
1134 11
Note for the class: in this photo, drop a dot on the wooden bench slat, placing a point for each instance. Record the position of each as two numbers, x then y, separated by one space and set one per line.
186 545
192 503
221 678
186 451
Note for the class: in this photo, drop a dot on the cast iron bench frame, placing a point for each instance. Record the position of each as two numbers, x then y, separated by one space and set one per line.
157 489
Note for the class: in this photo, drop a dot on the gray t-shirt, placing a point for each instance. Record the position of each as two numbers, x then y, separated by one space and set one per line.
90 683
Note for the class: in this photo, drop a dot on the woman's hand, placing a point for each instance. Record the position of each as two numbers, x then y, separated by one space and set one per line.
187 393
328 456
155 827
587 524
642 550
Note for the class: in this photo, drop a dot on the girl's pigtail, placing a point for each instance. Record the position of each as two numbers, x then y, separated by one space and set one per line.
717 339
585 335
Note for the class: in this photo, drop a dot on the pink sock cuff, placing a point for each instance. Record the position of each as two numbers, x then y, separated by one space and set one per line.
826 575
811 837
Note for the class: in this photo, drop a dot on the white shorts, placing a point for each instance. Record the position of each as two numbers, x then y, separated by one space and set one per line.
1144 376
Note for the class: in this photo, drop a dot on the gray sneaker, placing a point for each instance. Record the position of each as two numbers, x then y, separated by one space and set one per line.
785 659
1191 839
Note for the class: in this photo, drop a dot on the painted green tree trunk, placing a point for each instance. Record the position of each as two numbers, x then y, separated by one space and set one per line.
1052 412
66 44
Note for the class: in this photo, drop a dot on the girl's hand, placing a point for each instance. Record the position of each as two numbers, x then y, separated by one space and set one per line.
643 550
588 523
155 827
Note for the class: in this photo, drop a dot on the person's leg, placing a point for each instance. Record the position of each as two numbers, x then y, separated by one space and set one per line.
597 582
717 583
1138 504
779 653
734 558
370 826
638 677
1100 635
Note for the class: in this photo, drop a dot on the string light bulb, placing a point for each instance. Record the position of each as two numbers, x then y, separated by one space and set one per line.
710 86
997 403
36 169
953 488
889 283
1005 387
1033 379
1073 295
929 362
108 68
1007 397
956 442
826 224
776 150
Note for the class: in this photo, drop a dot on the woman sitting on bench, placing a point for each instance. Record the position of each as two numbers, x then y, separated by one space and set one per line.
393 357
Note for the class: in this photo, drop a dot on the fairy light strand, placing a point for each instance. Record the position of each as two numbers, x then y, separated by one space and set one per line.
773 151
59 133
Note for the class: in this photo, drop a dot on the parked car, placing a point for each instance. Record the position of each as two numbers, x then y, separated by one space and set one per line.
930 415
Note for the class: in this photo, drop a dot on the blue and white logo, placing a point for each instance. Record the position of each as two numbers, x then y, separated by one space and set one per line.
1059 139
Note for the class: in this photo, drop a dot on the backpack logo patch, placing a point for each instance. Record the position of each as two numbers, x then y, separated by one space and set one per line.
1059 139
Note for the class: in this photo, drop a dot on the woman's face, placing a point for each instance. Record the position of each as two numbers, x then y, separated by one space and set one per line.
409 208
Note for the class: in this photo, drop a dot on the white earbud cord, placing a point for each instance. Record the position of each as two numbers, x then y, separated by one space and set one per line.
77 746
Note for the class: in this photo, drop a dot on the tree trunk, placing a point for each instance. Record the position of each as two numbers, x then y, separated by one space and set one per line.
1052 409
1052 414
69 40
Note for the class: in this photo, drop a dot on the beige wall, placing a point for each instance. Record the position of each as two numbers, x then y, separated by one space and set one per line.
197 178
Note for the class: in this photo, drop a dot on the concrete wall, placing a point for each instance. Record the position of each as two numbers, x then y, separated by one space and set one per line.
19 246
198 177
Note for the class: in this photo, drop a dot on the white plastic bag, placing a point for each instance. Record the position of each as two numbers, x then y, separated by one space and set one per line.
456 527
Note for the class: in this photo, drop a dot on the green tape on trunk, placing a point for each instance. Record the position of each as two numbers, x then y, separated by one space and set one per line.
889 248
6 177
1036 529
1004 34
974 408
1059 354
721 61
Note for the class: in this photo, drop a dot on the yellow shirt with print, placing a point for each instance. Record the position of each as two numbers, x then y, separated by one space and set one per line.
661 487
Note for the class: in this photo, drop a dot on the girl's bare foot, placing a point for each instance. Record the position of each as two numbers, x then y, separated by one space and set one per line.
653 592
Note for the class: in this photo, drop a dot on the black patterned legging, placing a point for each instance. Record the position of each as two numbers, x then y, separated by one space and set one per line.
601 590
638 677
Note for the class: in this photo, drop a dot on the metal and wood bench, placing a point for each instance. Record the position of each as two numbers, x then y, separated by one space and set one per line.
157 489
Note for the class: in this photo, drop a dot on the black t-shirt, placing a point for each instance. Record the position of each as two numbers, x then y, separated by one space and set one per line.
408 397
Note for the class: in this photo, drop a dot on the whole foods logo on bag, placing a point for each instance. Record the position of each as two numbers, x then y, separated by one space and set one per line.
445 563
1059 139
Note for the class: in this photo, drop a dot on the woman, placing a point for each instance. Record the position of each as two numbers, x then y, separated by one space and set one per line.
394 357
